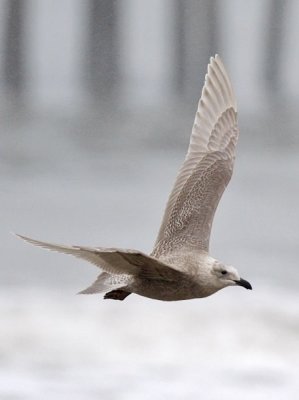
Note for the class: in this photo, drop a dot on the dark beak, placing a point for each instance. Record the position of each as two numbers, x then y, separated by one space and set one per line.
244 283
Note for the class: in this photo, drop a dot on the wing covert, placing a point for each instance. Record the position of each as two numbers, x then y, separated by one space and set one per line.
207 168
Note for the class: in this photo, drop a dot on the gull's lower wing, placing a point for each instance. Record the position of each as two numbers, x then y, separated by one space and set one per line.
114 261
207 168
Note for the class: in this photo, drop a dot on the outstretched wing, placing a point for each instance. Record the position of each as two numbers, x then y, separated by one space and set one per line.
115 261
206 170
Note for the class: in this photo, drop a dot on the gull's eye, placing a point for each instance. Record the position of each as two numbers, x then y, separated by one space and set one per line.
224 272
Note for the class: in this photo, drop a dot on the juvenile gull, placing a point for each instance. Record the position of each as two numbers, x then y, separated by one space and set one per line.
180 266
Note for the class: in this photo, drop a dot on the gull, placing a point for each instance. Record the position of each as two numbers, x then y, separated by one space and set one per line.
180 266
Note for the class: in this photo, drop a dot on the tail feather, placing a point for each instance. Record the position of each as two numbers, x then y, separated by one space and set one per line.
98 286
106 282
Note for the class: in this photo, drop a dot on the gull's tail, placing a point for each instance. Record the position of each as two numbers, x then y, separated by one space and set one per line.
105 283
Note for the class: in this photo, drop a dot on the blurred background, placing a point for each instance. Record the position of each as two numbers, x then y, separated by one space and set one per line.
97 100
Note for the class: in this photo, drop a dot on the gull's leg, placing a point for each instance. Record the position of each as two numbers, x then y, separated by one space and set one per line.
117 294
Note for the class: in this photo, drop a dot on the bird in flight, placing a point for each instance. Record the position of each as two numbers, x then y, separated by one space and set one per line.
180 266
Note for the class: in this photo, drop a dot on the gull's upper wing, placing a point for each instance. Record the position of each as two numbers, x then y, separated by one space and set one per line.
206 170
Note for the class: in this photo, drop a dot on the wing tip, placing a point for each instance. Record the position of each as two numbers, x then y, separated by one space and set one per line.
217 60
22 237
34 242
44 245
216 57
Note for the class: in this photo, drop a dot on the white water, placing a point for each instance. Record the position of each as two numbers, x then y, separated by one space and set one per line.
233 345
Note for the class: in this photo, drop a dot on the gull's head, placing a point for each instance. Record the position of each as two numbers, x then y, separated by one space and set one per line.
226 275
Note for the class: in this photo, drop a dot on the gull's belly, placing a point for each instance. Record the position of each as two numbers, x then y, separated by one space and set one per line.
167 290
